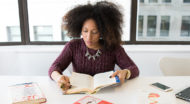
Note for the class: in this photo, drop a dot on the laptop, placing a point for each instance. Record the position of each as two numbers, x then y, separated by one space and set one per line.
184 94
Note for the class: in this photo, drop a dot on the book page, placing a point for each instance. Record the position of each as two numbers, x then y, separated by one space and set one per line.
103 79
81 81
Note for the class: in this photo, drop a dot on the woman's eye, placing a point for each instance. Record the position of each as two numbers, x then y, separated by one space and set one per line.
95 32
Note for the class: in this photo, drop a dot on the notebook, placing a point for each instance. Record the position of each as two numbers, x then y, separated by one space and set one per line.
184 94
27 93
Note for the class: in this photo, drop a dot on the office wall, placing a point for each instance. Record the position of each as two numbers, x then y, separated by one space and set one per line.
36 60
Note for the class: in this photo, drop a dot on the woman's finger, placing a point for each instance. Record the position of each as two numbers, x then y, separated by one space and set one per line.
122 79
121 76
64 82
62 79
67 79
114 74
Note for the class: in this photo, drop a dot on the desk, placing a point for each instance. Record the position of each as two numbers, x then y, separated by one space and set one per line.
130 92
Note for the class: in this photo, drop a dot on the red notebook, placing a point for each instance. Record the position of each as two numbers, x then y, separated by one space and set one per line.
91 100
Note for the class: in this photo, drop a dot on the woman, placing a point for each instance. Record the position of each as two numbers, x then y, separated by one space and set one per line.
99 49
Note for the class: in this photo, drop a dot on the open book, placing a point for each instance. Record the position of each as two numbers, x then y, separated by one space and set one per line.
27 93
84 83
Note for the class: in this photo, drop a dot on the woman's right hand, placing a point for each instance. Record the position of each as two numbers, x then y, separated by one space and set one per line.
64 83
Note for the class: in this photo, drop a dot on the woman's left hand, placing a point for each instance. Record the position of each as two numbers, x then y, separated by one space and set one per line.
121 74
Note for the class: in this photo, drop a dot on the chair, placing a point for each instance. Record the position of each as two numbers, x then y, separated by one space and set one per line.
175 66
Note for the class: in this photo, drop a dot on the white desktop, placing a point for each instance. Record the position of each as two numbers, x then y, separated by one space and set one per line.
133 91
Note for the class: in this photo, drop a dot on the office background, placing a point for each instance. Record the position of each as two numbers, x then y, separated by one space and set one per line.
164 22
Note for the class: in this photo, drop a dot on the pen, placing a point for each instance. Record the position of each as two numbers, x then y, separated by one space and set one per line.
62 85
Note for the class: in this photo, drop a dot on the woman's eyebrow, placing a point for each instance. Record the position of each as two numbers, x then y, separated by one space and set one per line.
91 30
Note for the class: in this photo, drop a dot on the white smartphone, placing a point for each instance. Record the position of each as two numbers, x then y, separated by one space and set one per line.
161 86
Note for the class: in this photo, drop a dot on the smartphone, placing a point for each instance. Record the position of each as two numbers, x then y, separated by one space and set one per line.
161 86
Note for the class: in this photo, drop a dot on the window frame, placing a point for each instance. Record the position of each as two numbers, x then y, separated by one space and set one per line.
25 38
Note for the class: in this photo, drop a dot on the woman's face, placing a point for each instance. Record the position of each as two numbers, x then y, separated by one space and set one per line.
90 34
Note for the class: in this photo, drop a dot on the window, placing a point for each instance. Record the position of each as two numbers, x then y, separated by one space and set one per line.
151 28
40 21
9 21
185 27
13 33
53 12
43 33
153 1
186 1
165 25
140 26
166 1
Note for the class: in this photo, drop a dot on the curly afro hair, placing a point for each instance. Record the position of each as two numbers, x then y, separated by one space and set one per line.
107 16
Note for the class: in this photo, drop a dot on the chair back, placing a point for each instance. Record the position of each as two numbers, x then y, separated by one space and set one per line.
175 66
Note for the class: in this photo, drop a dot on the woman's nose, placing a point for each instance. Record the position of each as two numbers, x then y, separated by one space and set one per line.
89 36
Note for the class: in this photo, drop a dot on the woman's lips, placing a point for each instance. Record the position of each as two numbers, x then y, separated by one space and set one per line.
89 42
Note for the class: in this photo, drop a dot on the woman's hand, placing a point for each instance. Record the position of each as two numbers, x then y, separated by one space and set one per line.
62 80
122 74
64 83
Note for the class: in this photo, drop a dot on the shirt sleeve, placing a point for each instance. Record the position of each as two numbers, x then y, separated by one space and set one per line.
125 62
62 61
